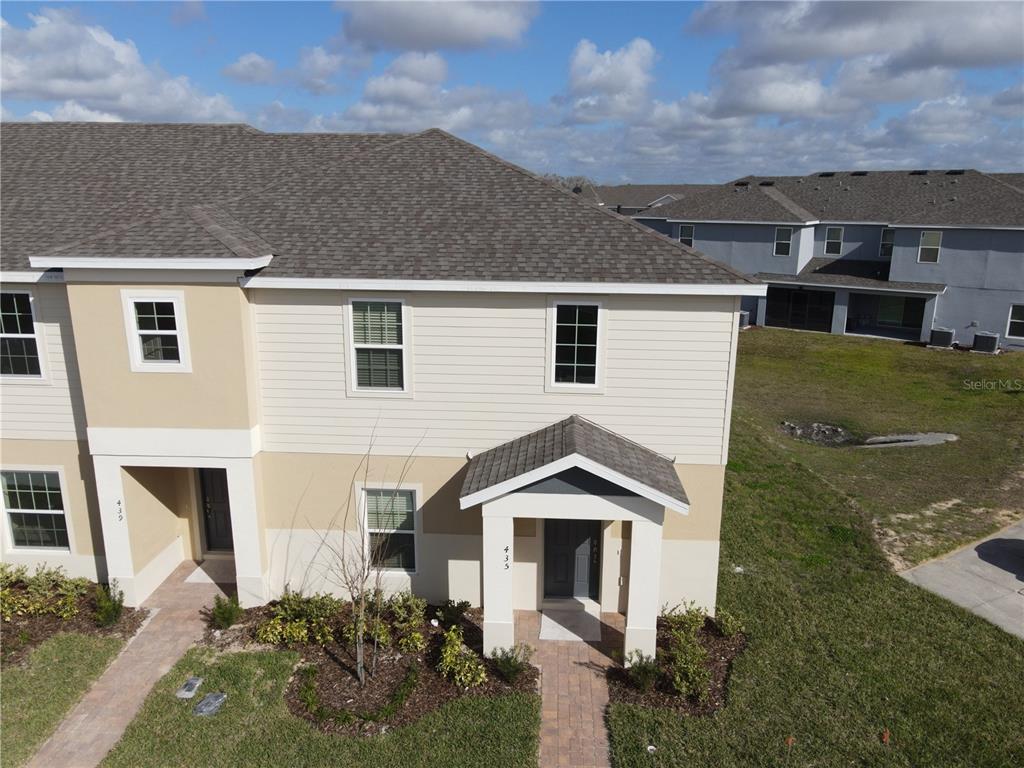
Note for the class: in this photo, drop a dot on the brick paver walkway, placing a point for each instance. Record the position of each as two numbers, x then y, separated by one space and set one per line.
574 694
96 723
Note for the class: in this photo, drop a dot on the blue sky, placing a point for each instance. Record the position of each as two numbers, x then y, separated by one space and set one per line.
641 92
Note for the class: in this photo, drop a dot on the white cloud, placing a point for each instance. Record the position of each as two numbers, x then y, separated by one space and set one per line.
424 26
59 58
610 84
251 68
316 69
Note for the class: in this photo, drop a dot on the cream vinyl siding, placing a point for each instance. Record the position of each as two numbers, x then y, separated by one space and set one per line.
478 374
49 408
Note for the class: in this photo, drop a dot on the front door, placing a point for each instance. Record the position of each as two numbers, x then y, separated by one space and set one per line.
213 485
571 557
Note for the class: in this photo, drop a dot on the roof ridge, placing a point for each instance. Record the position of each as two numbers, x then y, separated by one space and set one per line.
217 222
1006 184
788 203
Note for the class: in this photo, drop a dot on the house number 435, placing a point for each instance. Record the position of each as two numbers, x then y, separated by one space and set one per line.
506 558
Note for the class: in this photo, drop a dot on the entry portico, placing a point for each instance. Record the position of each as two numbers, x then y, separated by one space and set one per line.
573 470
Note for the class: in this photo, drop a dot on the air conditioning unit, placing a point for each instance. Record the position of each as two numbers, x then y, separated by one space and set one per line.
744 318
986 342
941 337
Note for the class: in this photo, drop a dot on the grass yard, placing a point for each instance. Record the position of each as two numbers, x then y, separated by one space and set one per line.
255 728
840 648
36 696
924 501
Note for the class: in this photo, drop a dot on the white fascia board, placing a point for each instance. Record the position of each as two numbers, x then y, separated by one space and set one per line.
569 462
185 262
859 288
730 221
31 277
947 226
510 286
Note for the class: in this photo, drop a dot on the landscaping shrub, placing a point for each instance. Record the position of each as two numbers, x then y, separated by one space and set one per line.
299 619
728 624
407 615
459 663
412 642
376 631
47 591
452 612
688 668
512 662
642 670
687 619
225 612
109 604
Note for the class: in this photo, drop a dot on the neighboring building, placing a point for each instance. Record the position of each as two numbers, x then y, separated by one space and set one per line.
219 343
882 253
631 199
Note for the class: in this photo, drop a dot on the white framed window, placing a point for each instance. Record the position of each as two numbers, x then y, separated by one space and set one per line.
1015 325
931 244
157 331
19 340
783 241
886 244
34 509
576 344
379 336
390 515
686 234
833 241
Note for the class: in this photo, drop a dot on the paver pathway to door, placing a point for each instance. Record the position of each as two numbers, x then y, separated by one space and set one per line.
96 723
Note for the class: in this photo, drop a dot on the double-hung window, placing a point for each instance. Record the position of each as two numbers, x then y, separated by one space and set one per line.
34 506
783 240
833 241
886 246
157 331
391 528
931 243
379 344
576 337
1015 325
19 348
686 234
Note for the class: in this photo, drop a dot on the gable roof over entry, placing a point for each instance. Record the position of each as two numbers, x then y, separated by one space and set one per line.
573 442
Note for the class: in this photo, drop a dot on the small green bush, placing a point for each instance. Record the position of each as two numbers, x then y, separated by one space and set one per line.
642 670
412 642
687 619
225 612
407 610
728 624
109 604
299 619
688 667
48 591
377 631
512 662
451 612
458 663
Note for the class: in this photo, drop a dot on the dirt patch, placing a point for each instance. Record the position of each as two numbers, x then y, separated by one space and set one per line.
721 653
828 435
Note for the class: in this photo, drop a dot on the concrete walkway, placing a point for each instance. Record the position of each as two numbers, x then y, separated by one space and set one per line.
96 723
574 693
986 578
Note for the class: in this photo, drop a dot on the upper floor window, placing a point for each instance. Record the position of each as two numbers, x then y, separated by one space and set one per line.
888 240
157 331
19 350
34 506
576 335
391 528
833 241
686 234
931 243
377 338
783 240
1015 325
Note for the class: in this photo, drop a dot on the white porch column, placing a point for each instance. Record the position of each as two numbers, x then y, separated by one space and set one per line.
117 548
928 320
644 587
250 574
499 628
762 308
839 310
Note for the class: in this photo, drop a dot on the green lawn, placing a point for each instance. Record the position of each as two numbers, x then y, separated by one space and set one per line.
925 501
840 648
255 727
37 696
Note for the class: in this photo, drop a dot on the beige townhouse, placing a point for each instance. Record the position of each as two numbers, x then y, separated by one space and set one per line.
281 351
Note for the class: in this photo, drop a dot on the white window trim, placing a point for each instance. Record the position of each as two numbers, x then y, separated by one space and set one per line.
9 546
135 358
351 380
775 243
881 240
417 526
824 248
550 385
693 234
920 245
38 335
1009 319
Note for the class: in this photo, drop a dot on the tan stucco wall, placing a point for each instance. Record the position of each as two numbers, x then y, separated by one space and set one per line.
159 507
704 485
217 394
79 485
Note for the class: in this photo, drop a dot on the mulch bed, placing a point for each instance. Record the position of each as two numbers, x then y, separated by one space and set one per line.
721 652
338 688
23 633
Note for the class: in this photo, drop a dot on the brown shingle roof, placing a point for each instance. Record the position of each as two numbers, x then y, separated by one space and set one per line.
854 273
735 202
642 195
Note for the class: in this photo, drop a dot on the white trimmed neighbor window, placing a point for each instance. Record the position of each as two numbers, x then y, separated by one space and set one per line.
783 240
1015 325
576 344
887 243
391 528
931 244
19 347
34 508
686 234
833 241
157 331
378 345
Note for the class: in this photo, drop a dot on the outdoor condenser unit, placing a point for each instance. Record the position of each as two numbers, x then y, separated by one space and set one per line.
941 337
986 342
744 318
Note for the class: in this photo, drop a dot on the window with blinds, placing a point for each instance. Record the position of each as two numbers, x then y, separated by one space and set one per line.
391 528
379 345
